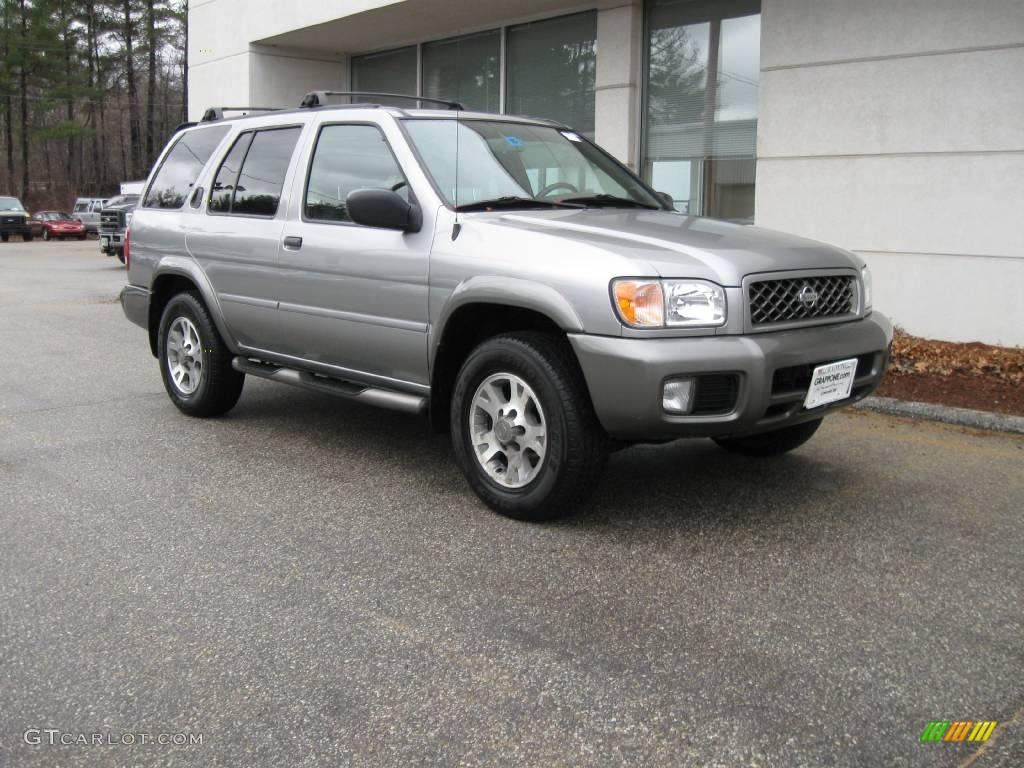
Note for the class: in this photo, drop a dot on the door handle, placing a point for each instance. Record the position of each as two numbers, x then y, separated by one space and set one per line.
293 243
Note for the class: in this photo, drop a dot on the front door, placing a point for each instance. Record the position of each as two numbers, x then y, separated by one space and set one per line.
350 296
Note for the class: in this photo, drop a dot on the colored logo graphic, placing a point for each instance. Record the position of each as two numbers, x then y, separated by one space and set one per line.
958 730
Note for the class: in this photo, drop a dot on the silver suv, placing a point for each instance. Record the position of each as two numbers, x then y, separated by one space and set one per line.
503 275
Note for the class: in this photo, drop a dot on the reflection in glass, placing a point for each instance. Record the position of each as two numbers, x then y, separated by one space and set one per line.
464 69
702 98
552 68
387 72
349 157
181 166
259 184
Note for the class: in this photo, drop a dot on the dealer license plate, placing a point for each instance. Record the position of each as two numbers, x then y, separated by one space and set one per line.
105 242
830 383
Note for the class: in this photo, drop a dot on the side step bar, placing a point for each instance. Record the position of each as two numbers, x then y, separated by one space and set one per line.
383 398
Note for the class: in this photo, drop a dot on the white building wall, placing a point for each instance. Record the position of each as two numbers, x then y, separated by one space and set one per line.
893 129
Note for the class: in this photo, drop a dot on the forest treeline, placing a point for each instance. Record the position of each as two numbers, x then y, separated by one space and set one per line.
89 93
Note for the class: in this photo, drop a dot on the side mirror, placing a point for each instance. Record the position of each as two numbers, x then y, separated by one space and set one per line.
384 209
666 198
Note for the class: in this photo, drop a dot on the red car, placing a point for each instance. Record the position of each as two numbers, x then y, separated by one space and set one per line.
51 224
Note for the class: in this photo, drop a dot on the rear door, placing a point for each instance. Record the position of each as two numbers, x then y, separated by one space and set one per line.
236 235
351 296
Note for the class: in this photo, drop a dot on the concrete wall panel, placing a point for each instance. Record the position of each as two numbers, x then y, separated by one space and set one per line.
804 31
949 103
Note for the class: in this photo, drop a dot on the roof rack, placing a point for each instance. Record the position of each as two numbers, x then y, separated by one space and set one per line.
217 113
319 98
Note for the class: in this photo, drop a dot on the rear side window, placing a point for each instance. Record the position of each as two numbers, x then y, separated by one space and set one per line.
250 179
349 157
79 207
181 166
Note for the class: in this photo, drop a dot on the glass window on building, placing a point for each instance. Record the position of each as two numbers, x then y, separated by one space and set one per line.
387 72
465 69
703 80
551 67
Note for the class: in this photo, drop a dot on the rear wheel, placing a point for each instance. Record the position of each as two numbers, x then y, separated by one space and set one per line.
120 256
772 443
194 361
523 428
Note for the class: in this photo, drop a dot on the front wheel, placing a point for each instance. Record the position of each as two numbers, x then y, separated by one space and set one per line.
27 238
194 361
5 237
772 443
523 428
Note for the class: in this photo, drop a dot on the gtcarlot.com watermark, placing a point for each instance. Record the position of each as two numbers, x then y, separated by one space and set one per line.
55 737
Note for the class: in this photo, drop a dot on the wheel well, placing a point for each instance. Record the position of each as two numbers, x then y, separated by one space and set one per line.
165 288
469 325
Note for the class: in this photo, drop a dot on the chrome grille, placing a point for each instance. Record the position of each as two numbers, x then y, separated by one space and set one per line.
801 299
110 219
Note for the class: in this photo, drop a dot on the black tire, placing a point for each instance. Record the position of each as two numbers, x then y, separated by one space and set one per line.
5 237
576 445
27 238
772 443
46 234
82 237
219 385
120 256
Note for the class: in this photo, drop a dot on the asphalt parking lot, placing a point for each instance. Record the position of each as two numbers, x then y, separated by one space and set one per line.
310 582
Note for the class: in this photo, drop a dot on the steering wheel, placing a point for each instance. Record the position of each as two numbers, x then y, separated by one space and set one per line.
552 187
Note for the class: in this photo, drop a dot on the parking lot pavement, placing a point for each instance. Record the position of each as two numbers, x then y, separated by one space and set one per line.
310 582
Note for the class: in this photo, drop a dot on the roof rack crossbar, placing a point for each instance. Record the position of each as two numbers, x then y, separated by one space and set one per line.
319 98
217 113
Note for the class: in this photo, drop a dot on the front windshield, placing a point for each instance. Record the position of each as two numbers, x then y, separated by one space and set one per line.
55 216
10 204
498 159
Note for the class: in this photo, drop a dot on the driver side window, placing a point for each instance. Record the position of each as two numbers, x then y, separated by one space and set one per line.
346 158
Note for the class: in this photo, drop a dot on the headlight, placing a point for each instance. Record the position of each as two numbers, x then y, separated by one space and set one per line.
865 280
693 303
669 303
128 218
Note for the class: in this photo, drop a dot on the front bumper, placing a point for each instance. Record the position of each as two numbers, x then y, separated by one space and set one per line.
625 376
111 241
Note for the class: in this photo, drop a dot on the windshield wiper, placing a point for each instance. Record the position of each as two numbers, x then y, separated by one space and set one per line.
511 201
611 201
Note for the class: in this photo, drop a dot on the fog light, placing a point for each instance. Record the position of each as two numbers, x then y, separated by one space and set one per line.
677 395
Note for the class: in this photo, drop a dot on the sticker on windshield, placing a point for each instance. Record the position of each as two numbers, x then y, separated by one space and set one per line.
514 141
571 136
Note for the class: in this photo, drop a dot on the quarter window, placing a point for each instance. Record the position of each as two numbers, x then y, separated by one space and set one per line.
349 157
181 166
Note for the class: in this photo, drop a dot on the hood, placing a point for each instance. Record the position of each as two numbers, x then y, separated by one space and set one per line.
122 207
673 245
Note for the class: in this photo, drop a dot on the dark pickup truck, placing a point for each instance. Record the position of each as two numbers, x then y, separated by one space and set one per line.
13 219
114 219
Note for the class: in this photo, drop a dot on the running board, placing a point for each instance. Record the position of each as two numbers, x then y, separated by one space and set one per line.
382 398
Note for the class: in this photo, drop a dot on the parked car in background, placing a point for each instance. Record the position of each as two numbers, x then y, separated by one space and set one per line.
113 219
87 209
13 219
56 224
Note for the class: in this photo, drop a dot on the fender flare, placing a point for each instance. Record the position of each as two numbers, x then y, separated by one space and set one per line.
510 292
182 266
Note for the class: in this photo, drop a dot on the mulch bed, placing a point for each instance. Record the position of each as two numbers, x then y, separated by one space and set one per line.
972 375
